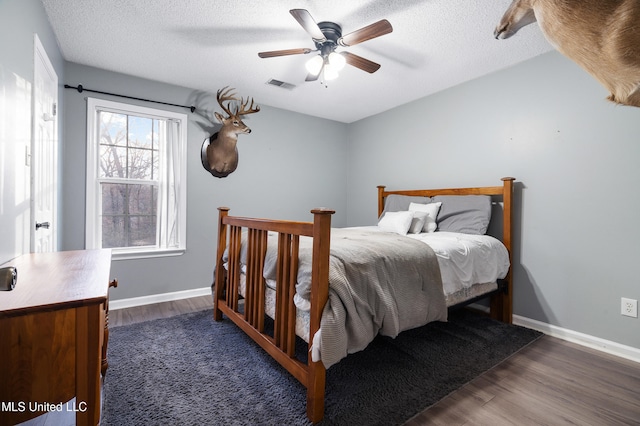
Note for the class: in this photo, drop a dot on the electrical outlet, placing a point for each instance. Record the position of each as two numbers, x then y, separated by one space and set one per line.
629 307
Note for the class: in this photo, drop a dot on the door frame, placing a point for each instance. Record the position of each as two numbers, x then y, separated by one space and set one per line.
42 64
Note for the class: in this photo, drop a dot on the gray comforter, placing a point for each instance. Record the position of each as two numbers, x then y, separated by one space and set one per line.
378 283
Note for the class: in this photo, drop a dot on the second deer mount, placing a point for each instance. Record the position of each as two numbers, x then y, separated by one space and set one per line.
219 152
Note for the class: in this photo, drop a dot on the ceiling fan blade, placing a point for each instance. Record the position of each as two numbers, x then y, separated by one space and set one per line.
360 62
274 53
374 30
314 77
305 19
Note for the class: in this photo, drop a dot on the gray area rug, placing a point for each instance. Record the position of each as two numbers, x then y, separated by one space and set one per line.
190 370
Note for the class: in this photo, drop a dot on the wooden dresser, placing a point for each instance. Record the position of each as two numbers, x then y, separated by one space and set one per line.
52 335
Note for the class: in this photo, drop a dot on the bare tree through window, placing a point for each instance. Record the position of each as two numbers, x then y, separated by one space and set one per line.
128 173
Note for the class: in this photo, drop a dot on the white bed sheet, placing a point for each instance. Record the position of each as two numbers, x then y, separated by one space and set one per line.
466 259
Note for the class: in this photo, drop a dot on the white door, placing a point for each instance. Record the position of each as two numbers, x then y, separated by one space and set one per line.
44 153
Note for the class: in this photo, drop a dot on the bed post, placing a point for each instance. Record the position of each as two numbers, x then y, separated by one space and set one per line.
218 283
319 296
380 199
502 303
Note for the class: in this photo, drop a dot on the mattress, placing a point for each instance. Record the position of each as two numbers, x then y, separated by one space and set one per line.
470 266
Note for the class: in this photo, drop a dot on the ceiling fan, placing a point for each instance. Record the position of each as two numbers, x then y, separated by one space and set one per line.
327 36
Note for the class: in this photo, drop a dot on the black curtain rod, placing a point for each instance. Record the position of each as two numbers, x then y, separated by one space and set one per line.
80 89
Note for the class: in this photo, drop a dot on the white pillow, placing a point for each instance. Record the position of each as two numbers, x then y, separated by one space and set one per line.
432 213
419 218
398 222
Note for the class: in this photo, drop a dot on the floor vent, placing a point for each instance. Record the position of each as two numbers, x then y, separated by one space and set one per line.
282 84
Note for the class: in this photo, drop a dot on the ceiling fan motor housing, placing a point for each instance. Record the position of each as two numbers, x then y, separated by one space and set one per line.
332 32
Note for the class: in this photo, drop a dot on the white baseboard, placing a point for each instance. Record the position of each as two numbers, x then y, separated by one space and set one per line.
607 346
587 340
158 298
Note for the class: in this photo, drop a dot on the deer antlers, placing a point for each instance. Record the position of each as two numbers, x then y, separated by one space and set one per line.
226 95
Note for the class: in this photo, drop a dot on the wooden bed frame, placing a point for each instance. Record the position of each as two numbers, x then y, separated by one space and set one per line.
251 317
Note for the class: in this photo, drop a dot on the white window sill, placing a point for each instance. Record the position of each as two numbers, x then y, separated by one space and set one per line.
118 254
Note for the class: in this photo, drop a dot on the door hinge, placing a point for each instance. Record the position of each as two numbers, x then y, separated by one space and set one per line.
55 109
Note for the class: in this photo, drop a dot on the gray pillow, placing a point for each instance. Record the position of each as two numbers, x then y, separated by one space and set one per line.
467 214
400 203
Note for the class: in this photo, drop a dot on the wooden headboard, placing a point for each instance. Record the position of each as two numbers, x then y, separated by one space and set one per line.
501 305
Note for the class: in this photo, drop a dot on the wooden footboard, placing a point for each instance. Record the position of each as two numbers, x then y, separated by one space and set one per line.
250 317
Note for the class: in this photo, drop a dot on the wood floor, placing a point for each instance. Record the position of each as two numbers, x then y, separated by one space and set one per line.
550 382
159 310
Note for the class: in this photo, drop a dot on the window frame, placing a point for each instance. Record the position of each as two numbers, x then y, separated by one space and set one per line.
93 214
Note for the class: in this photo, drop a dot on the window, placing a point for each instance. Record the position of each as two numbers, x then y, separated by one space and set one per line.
136 180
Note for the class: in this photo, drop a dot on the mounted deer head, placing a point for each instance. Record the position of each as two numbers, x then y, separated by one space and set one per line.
220 155
602 36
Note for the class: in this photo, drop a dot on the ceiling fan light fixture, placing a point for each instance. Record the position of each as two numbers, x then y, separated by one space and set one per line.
314 65
337 61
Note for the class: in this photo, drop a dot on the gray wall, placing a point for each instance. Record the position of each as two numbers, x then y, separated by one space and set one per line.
19 20
575 156
289 164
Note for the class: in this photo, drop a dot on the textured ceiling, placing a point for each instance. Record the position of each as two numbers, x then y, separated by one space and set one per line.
209 44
